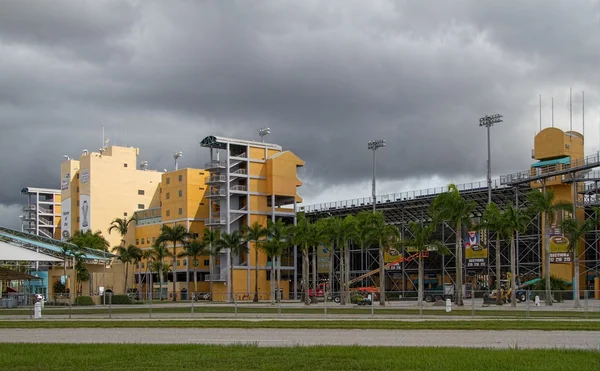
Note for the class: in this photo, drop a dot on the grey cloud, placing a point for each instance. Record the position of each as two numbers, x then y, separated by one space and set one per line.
325 77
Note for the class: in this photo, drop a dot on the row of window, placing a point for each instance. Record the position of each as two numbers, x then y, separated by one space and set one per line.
180 211
195 263
140 241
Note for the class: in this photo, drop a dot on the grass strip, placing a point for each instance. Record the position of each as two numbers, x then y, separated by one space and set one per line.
304 324
351 310
133 357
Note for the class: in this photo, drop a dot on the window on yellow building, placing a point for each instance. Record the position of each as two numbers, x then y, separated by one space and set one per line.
168 212
184 262
180 211
125 165
141 206
141 192
168 180
180 193
206 262
194 235
143 265
137 241
180 177
178 262
148 240
168 195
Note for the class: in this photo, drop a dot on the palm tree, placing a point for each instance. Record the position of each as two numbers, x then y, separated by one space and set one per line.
421 241
278 240
334 226
255 233
386 235
452 207
349 232
91 240
174 234
237 245
145 255
544 203
66 251
209 240
159 252
271 249
576 230
515 221
325 237
121 226
302 236
492 220
127 255
193 249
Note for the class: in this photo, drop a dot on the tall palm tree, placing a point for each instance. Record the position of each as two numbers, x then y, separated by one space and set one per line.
67 251
121 226
452 207
325 237
174 234
237 245
209 240
159 252
420 241
545 204
303 238
271 248
386 235
255 233
515 221
493 220
193 249
335 227
349 232
145 255
127 255
278 237
575 231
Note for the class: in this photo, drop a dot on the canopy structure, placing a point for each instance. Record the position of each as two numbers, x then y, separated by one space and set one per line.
8 275
10 252
556 161
52 246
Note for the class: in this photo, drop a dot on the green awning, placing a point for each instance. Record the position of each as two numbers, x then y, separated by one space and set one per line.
562 160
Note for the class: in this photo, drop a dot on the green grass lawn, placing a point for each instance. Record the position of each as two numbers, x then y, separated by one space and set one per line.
366 311
304 324
108 357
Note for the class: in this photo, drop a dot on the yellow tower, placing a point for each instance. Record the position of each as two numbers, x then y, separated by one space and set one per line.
558 152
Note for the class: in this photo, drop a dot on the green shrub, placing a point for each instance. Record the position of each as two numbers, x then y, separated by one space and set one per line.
84 300
119 299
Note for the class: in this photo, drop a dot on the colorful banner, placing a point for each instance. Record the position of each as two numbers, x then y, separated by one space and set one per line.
559 244
84 213
392 255
476 252
65 219
323 259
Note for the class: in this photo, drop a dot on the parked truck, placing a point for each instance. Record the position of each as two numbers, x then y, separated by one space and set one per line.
321 291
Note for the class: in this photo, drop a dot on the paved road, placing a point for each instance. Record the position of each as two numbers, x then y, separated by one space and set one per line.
289 337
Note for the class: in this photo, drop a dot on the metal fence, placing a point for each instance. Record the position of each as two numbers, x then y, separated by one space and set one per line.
529 304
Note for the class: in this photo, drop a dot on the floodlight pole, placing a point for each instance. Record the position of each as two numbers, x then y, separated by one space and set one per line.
176 156
262 132
488 121
373 146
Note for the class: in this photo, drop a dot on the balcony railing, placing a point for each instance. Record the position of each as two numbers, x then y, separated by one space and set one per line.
29 208
215 179
239 188
217 193
240 172
215 164
216 221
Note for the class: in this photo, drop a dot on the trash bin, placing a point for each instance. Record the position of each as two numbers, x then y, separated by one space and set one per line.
37 310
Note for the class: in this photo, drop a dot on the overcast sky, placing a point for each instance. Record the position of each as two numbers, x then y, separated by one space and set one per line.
325 76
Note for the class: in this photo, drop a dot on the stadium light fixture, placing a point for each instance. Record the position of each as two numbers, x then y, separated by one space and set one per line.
177 155
488 121
263 132
373 145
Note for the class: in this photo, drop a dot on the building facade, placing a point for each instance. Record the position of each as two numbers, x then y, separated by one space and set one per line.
42 213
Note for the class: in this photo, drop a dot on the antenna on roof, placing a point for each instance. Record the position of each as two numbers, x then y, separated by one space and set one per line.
570 111
540 112
583 113
552 111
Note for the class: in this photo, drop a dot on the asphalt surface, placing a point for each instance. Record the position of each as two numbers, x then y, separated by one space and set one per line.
589 340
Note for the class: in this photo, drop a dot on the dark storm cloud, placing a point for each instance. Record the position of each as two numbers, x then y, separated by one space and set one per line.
325 76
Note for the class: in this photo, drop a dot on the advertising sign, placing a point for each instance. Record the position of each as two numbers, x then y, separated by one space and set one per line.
64 183
559 244
392 255
65 219
84 213
476 252
323 259
85 176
